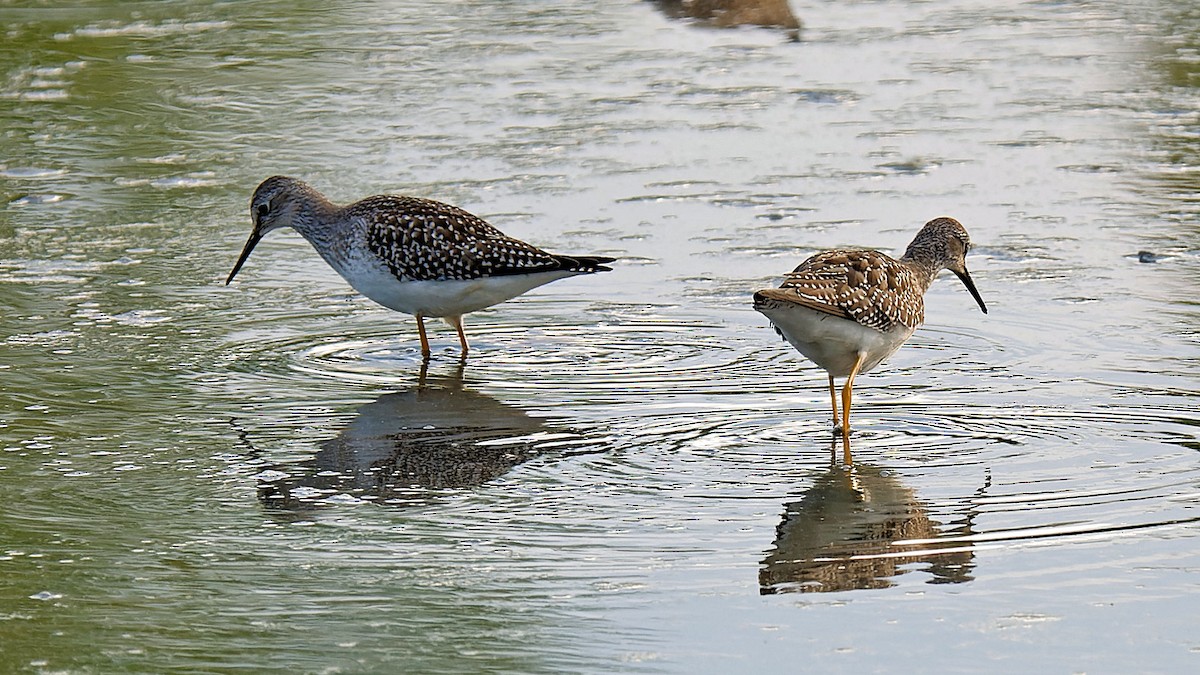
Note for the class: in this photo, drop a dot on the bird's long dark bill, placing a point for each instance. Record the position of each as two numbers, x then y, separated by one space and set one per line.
965 277
255 237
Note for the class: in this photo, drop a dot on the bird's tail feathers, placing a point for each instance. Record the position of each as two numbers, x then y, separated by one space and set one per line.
585 264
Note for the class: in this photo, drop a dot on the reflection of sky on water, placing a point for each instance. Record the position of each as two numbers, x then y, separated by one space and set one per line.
712 161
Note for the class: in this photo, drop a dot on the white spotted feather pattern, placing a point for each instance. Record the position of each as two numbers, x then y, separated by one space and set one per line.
423 240
867 287
409 254
849 310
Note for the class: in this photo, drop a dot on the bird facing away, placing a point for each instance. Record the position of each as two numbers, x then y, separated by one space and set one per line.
848 310
411 255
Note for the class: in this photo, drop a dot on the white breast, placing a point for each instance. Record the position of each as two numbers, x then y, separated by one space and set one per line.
833 343
442 298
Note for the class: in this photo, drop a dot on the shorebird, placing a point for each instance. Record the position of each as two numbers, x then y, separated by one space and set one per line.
412 255
848 310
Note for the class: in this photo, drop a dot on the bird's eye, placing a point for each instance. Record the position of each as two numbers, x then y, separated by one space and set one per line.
263 209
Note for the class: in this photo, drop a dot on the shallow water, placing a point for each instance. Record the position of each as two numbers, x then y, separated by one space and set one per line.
631 472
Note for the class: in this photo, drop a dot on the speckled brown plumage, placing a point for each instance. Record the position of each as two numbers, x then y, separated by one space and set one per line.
872 288
864 286
848 310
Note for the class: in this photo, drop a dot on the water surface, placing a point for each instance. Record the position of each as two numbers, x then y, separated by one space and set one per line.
631 472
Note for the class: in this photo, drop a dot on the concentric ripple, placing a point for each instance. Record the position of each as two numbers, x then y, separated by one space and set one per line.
674 415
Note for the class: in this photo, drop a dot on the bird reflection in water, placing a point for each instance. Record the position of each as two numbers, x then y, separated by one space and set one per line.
857 527
731 13
405 447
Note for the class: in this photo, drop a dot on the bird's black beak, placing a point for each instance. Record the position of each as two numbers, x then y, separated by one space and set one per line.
255 237
963 276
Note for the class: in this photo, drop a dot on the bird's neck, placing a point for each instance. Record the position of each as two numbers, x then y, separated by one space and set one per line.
316 219
924 266
326 228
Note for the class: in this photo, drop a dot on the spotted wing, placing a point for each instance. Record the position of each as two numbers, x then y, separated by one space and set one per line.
424 240
865 286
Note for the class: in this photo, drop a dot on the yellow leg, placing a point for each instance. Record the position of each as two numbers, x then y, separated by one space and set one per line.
424 340
837 424
457 322
847 393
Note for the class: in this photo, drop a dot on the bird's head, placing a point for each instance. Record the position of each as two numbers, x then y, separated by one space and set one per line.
276 203
943 243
